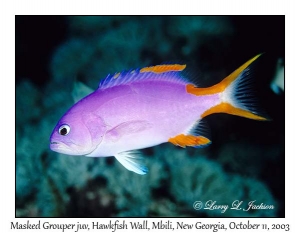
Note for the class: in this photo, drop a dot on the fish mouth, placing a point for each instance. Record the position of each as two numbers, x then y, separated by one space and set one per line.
55 145
63 148
59 147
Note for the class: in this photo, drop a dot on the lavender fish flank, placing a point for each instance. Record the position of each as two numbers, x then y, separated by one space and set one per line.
146 107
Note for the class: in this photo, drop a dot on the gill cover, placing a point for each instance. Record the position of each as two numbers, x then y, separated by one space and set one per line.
96 128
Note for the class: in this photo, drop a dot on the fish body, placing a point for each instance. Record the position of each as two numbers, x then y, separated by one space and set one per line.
146 107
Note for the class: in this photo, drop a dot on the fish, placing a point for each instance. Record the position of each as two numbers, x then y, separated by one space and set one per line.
277 83
141 108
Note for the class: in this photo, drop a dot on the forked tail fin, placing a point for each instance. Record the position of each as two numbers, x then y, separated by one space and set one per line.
235 94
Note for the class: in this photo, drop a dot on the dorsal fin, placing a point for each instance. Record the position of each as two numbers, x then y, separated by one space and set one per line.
163 68
147 73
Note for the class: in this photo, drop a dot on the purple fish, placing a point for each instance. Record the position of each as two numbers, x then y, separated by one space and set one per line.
146 107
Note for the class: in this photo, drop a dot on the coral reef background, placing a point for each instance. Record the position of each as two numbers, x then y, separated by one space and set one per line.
245 161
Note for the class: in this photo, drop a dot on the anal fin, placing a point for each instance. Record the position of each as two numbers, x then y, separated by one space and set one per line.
190 140
196 136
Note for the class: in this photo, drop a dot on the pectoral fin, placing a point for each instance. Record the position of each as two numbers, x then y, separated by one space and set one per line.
127 128
133 161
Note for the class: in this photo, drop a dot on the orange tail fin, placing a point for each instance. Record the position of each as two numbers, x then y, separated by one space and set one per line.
236 98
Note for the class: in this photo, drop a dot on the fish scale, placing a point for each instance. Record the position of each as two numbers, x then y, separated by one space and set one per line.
141 108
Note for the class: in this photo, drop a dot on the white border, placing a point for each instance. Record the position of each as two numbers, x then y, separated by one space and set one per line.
7 53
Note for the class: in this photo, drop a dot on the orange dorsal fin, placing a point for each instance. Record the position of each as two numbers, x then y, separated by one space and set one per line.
163 68
221 86
189 140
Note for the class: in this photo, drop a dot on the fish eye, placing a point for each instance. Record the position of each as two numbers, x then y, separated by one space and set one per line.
64 130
